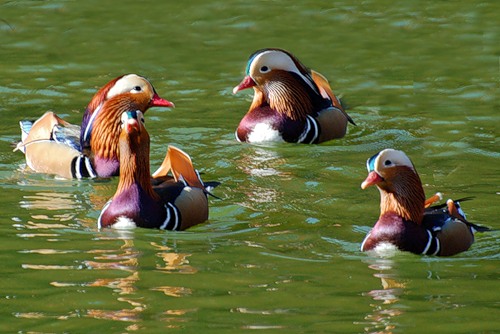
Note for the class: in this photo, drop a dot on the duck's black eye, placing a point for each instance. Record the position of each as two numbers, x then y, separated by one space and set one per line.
143 120
264 69
137 88
388 162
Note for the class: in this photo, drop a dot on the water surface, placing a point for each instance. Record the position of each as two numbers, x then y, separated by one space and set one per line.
280 252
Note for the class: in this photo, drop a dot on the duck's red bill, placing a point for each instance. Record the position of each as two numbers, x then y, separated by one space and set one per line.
157 101
372 179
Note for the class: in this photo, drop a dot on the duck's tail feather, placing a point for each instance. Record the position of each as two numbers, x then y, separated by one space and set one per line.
479 228
209 186
25 126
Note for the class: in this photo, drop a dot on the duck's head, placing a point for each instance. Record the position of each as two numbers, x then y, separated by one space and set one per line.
272 65
397 179
129 87
132 127
100 123
385 166
283 83
133 141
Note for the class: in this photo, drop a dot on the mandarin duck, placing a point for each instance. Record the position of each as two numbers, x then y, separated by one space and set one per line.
407 220
165 202
291 103
54 146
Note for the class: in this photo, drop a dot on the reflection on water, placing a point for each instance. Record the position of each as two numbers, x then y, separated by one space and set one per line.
382 318
49 201
104 263
174 262
126 260
262 163
52 214
409 85
62 205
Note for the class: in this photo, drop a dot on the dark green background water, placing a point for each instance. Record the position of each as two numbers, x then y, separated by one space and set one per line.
281 250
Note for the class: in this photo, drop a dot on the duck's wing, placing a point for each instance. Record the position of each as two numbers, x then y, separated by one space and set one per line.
67 134
435 217
327 93
51 145
179 163
49 127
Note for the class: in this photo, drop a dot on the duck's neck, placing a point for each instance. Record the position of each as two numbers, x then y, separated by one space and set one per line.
406 198
134 168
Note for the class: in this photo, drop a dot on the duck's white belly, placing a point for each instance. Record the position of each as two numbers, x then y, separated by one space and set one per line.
264 132
385 250
124 223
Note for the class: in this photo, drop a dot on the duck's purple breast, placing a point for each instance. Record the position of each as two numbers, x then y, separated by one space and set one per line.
405 235
106 167
136 205
266 118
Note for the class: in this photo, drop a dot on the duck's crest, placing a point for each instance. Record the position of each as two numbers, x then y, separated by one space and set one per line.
250 60
370 163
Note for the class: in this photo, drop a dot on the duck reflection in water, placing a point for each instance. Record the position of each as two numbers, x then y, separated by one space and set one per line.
263 166
43 193
53 211
382 318
127 260
56 206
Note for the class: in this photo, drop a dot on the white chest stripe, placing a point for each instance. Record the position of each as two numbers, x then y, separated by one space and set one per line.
316 129
171 211
88 165
311 125
82 166
78 175
429 243
108 203
438 247
306 131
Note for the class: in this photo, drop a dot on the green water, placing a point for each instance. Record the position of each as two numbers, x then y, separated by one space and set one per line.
281 250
